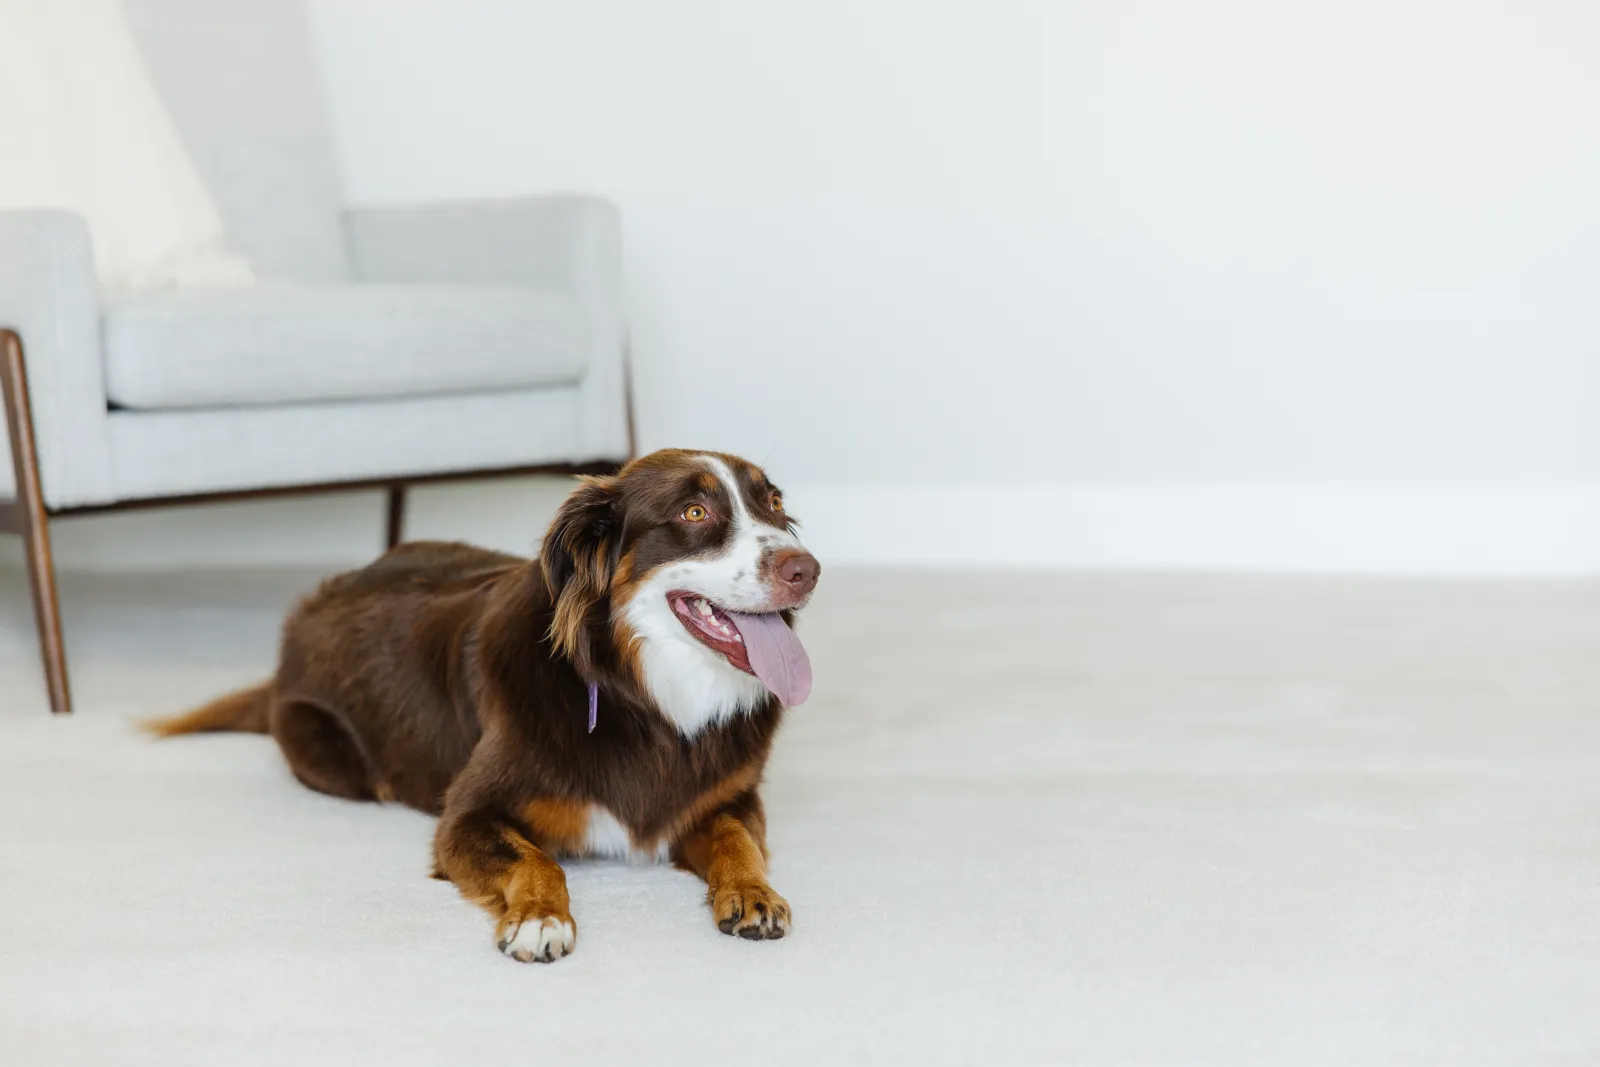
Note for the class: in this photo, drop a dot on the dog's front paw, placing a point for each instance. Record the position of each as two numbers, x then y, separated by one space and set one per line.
536 938
752 911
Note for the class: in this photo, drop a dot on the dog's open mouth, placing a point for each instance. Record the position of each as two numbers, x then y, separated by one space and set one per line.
759 644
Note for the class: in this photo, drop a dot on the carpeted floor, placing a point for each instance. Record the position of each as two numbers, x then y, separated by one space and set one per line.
1024 819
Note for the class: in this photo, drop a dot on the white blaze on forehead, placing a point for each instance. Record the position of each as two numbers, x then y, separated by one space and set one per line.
750 539
741 514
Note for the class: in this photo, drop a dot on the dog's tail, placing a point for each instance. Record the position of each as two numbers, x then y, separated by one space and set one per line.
241 712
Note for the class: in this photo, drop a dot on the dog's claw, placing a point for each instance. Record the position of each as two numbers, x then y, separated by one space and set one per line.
538 939
752 912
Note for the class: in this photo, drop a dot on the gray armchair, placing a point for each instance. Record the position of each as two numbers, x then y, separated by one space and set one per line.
382 346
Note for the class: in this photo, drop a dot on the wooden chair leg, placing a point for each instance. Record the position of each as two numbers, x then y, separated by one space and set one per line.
397 515
32 520
627 401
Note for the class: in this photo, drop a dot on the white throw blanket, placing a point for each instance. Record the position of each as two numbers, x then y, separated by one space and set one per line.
84 129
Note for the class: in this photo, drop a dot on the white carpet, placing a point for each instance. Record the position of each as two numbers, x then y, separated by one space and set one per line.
1022 820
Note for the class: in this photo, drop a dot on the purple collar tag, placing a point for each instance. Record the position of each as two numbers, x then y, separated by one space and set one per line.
594 705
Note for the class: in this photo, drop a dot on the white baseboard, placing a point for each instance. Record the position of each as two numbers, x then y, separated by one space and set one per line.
1473 530
1487 530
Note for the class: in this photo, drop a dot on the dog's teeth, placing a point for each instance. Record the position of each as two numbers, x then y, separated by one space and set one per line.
705 609
739 639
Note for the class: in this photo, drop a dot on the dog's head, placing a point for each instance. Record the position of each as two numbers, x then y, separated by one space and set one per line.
689 564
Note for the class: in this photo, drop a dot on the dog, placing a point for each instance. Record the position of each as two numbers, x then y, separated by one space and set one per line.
616 696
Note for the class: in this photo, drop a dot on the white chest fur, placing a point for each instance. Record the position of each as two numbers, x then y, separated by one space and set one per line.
609 838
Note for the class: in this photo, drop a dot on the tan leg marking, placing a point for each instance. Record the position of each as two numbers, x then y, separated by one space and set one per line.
523 889
537 924
559 827
730 855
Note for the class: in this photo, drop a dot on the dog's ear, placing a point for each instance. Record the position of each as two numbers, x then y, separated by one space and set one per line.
579 559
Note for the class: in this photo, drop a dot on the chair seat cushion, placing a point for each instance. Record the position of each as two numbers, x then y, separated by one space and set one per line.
262 345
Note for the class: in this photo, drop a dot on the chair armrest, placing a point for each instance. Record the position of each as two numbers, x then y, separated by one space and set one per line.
566 242
50 297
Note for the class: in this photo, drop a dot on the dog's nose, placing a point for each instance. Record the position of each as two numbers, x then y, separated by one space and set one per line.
797 570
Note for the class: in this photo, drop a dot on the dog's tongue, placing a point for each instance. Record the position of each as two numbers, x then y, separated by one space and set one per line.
776 655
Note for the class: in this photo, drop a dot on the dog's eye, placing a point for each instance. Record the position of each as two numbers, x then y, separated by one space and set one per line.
696 513
777 500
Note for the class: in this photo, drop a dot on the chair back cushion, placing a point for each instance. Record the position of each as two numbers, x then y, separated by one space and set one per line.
240 82
274 344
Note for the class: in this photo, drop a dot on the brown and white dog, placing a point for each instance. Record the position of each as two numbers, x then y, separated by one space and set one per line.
459 681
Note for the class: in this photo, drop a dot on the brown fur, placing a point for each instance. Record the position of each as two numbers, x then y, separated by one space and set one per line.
453 679
244 711
558 826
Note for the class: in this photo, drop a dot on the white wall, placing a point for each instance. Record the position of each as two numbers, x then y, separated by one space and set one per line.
1243 283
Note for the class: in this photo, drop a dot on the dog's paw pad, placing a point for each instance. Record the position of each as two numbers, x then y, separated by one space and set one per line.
538 940
753 912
